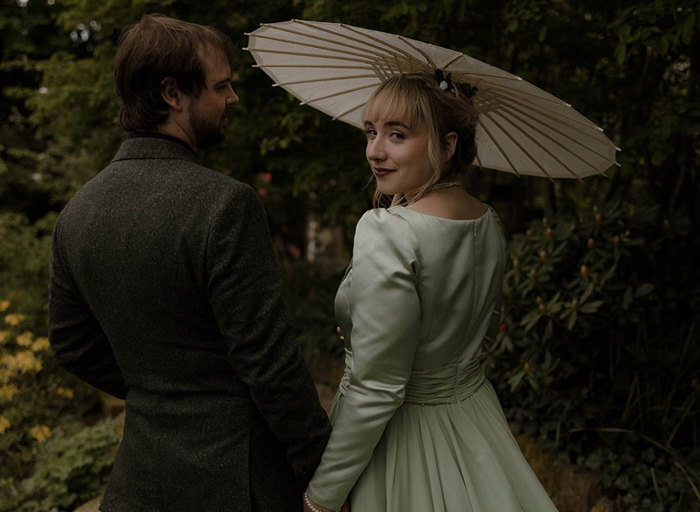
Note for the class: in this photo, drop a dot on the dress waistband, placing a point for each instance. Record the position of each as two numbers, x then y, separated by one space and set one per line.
444 385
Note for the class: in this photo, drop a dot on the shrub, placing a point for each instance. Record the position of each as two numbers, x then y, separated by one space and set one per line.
72 467
597 346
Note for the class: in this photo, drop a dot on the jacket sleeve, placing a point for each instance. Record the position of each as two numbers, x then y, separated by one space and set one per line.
385 313
77 340
244 290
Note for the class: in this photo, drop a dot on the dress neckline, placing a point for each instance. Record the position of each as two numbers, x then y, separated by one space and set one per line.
458 221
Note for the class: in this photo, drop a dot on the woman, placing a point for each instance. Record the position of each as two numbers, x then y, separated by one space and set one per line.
416 427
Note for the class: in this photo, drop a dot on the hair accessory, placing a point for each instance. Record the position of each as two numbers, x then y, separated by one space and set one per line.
444 82
471 90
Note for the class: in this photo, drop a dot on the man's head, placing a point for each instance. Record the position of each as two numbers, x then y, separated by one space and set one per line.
167 70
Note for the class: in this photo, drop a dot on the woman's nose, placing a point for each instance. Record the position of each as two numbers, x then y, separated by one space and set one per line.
375 150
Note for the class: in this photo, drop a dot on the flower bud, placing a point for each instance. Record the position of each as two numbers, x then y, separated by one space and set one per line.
584 271
591 244
550 233
543 255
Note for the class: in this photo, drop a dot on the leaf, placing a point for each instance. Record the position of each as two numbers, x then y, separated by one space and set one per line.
591 307
572 320
687 29
587 293
542 34
547 331
644 289
620 54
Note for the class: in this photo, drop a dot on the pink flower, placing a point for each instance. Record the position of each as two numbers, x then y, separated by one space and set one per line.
262 192
294 250
266 177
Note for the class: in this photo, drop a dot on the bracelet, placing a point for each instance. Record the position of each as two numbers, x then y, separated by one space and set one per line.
308 503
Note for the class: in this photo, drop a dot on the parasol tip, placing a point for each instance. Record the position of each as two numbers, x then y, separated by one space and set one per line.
245 47
618 149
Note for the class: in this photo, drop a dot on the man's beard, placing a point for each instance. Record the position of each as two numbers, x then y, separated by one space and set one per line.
208 134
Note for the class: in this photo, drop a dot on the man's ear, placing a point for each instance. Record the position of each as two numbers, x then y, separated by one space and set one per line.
170 93
450 145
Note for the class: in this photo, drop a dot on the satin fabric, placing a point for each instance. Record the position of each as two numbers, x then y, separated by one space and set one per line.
416 426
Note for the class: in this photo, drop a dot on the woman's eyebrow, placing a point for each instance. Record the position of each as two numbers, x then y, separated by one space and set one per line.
388 124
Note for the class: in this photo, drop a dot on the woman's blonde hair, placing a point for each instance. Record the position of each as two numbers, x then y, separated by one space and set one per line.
417 100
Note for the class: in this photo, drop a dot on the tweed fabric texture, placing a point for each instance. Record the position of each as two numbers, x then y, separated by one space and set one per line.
165 291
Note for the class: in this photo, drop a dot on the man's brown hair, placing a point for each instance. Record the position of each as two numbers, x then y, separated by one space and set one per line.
155 48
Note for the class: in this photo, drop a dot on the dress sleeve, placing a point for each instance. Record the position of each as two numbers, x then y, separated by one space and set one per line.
77 340
244 290
385 312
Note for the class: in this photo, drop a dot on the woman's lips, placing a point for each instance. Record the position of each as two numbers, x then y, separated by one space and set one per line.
380 171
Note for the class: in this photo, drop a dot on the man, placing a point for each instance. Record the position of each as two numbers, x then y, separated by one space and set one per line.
165 291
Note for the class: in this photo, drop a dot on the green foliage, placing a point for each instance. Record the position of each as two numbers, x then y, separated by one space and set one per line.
25 250
599 335
71 468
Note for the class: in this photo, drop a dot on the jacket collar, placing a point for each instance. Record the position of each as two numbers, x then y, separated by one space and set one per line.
141 146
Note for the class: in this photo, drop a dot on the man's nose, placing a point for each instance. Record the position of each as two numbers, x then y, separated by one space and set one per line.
233 98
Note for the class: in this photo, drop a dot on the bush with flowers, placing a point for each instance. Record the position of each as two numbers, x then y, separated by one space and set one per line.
597 351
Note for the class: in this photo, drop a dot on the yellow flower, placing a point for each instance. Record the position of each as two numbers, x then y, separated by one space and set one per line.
23 362
65 392
4 336
4 424
4 304
5 374
24 339
14 319
7 392
40 432
41 344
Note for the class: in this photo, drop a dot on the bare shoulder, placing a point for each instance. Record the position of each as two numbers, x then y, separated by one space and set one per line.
455 204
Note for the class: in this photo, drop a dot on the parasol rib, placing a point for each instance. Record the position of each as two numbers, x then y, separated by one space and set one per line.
562 119
312 80
349 110
366 54
540 145
339 93
311 55
383 43
498 146
517 90
382 47
310 66
425 55
377 52
567 113
587 163
511 111
520 146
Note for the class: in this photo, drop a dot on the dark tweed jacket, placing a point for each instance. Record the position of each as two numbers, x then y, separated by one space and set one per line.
164 291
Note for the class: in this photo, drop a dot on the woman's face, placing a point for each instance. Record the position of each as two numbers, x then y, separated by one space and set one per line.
397 154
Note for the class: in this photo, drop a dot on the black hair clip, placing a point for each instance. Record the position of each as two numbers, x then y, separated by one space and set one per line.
470 91
444 82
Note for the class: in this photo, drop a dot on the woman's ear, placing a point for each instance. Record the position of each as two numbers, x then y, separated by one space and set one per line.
450 145
170 93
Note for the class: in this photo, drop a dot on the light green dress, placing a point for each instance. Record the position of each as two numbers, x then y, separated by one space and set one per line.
416 427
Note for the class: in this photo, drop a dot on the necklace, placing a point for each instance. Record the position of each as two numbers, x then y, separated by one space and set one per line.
444 184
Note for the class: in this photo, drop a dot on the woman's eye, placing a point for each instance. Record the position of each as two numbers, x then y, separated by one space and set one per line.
371 133
397 135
